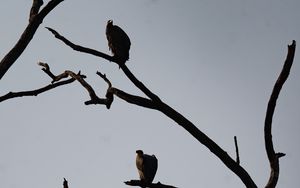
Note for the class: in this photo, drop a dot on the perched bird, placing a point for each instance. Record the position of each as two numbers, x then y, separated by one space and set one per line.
118 42
146 165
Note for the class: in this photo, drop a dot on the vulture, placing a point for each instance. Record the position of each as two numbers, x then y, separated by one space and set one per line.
118 42
146 165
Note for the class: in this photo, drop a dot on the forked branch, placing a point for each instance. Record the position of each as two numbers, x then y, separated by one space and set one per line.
156 103
36 92
128 73
35 19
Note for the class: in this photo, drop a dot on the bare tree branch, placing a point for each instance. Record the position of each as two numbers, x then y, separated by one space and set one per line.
36 92
236 150
171 113
272 156
46 69
128 73
36 5
152 185
133 99
81 48
35 20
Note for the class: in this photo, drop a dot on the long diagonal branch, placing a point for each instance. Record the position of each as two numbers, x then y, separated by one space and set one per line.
272 155
128 73
173 114
36 18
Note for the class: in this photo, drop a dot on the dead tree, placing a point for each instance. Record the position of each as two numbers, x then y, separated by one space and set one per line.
151 100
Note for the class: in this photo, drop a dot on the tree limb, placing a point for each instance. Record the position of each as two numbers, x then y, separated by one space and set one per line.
36 92
171 113
152 185
133 99
272 156
81 48
128 73
36 5
35 20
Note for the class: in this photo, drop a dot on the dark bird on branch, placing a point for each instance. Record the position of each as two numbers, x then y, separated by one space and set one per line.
147 166
118 42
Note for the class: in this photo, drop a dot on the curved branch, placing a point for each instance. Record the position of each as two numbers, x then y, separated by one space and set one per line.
128 73
133 99
272 156
36 92
81 48
35 20
94 98
156 103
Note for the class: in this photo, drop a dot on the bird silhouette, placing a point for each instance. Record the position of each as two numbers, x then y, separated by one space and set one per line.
147 166
118 42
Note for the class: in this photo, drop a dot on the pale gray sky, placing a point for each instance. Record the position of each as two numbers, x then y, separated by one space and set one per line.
213 61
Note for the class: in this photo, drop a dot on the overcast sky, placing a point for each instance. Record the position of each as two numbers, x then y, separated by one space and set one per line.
214 61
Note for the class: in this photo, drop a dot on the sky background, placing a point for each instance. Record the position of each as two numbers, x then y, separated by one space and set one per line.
213 61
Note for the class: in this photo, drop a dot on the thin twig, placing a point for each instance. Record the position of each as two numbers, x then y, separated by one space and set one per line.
81 48
103 76
237 150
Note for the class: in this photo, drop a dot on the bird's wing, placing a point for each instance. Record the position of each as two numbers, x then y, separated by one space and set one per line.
150 167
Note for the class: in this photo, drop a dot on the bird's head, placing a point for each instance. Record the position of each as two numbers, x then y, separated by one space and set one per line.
139 152
110 22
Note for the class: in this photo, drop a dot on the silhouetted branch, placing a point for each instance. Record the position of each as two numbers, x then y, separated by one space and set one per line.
152 185
272 156
133 99
236 150
103 76
94 98
35 20
139 84
156 103
128 73
36 5
46 69
81 48
36 92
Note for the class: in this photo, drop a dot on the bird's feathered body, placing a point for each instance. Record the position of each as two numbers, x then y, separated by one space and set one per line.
147 166
118 42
